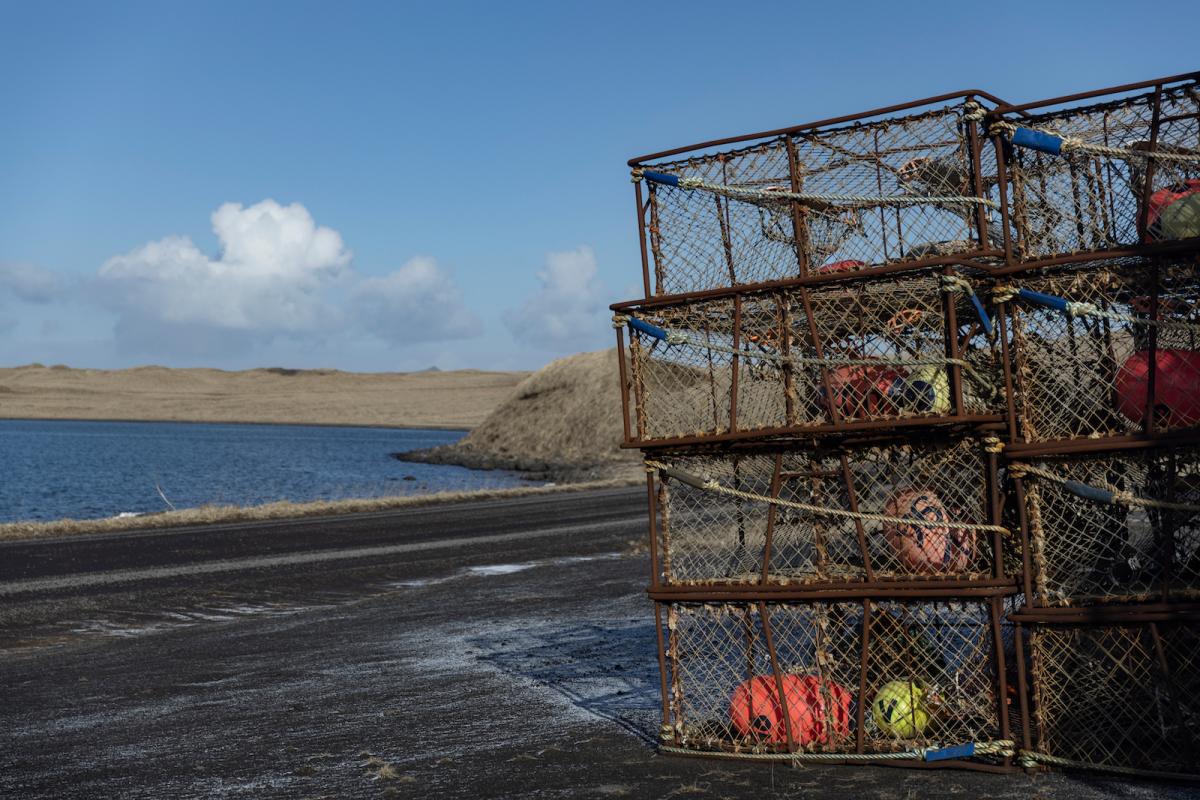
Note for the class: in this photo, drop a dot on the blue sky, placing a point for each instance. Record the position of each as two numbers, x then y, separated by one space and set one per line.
448 178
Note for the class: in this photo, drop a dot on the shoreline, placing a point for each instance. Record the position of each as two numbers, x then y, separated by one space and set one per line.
281 510
380 426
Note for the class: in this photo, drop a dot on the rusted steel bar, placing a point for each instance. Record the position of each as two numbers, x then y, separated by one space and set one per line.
951 347
1134 441
824 428
752 593
641 220
904 583
734 364
765 618
789 369
876 112
1003 312
1001 668
1026 539
651 501
1108 614
1071 98
799 223
662 666
624 385
772 512
864 655
977 185
859 530
1166 247
996 514
1023 688
898 763
863 275
1148 423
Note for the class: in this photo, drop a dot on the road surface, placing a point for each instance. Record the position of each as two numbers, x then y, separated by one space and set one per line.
487 649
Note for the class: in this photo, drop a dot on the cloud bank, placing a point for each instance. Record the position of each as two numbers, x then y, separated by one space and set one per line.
567 311
278 273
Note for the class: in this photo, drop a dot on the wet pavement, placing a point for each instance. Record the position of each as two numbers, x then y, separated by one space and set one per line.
498 649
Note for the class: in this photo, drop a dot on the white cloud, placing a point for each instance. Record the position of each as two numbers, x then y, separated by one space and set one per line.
568 310
277 274
274 260
29 283
417 303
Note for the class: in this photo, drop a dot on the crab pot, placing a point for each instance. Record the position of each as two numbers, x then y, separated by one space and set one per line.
1123 696
1113 526
850 173
1064 199
1106 348
850 522
852 677
913 348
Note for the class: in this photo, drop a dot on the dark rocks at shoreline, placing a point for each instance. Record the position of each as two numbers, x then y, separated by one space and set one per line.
534 469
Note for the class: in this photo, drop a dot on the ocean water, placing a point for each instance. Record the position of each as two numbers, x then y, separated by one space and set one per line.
87 470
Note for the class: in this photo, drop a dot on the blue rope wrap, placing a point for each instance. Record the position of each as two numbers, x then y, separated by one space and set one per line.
1037 140
647 328
661 177
1089 492
983 315
1049 300
945 753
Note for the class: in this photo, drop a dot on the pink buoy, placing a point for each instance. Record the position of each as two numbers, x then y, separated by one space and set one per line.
926 549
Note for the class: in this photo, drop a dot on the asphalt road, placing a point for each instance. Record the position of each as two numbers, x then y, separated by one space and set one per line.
489 649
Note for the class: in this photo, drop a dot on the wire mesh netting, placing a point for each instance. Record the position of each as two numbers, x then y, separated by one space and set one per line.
1115 526
1123 696
1126 327
933 500
925 675
810 358
703 240
1079 200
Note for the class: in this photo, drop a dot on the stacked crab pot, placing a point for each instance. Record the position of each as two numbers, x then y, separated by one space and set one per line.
911 396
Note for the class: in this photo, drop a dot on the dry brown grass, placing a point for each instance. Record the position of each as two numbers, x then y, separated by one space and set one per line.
459 399
567 412
207 515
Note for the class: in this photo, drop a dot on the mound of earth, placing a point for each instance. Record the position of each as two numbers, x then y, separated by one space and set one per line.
561 423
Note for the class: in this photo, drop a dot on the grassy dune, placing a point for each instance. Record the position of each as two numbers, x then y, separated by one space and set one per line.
458 399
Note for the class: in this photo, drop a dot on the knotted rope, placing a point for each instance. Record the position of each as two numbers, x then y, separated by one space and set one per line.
712 485
1058 144
1104 493
955 283
1078 309
782 195
676 338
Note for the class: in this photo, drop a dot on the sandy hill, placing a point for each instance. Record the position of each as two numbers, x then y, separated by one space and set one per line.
563 421
457 399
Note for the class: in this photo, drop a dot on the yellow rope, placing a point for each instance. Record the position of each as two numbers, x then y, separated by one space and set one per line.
711 485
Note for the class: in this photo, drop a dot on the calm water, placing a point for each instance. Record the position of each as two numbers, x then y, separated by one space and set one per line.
54 469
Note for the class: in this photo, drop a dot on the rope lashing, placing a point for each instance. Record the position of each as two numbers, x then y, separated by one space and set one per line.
1030 759
1076 309
973 112
680 338
954 283
1056 144
992 444
1001 747
1107 494
712 485
780 195
619 321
